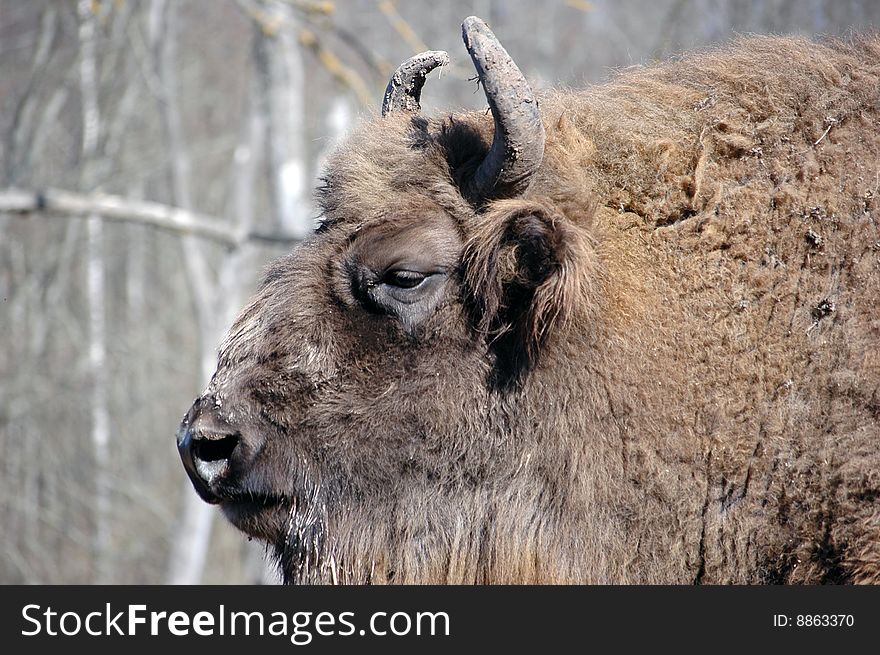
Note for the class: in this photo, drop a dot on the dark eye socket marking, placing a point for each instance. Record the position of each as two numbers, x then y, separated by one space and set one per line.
410 295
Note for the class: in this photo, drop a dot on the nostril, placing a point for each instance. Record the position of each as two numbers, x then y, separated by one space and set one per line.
215 449
210 456
207 444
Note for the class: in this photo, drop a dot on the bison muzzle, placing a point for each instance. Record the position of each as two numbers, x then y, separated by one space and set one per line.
627 334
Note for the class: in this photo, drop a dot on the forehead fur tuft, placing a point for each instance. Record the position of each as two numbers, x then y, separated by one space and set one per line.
402 154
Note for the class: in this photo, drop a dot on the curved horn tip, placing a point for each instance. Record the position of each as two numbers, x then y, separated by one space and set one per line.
518 145
473 24
404 90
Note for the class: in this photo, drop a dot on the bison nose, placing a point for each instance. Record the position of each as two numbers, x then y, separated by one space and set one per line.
205 451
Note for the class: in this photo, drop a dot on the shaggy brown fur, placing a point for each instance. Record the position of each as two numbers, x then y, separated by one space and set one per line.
660 365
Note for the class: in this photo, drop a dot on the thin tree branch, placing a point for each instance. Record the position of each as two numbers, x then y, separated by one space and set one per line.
404 29
271 25
312 6
340 72
116 208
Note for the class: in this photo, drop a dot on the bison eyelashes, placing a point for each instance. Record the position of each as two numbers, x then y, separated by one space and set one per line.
403 287
404 279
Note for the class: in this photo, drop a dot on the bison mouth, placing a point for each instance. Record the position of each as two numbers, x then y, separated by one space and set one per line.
258 514
272 516
250 502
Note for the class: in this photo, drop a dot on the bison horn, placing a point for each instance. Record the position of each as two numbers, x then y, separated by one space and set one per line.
405 87
518 145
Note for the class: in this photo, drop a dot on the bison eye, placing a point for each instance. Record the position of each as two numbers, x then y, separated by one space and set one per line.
404 279
410 295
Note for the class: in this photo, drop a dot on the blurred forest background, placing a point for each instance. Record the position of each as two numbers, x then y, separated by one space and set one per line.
154 155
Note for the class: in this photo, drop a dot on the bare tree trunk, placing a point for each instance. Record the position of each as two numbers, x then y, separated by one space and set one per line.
248 156
100 413
20 141
97 332
337 124
282 75
190 546
136 273
163 43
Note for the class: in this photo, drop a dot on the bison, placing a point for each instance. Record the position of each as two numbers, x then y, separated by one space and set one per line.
627 334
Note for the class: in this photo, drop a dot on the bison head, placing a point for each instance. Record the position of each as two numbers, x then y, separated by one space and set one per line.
380 408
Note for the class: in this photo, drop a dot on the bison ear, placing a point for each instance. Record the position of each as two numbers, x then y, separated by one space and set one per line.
526 270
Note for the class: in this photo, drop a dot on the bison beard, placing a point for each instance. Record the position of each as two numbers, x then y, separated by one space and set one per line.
630 337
